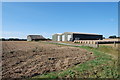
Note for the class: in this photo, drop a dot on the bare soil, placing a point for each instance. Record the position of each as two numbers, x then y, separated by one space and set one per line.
27 59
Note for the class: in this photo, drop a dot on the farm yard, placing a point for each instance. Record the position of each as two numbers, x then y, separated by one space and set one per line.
63 40
51 60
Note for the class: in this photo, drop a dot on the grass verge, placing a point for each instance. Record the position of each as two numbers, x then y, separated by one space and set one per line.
104 66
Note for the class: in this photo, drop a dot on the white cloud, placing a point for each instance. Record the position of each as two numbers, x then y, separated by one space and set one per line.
12 34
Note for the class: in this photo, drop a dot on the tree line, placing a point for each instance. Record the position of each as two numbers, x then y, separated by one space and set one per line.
12 39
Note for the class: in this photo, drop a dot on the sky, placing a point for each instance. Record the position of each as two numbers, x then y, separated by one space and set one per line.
60 0
20 19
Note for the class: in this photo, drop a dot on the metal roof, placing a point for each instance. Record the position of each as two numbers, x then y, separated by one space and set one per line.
57 34
81 33
36 36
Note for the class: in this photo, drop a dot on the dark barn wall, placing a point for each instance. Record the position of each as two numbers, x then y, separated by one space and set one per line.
87 37
38 39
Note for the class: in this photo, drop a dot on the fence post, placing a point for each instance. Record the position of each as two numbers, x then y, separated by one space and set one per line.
97 45
114 44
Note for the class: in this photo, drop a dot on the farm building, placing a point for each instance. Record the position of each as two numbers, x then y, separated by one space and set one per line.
35 38
57 37
71 36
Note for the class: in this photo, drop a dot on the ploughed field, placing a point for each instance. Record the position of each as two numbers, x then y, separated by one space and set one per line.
28 59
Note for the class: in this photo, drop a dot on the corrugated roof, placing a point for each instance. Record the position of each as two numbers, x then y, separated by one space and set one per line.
36 36
81 33
57 34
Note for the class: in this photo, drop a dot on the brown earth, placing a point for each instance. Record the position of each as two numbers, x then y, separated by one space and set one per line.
27 59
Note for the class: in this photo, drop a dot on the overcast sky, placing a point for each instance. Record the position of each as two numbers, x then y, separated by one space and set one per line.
46 18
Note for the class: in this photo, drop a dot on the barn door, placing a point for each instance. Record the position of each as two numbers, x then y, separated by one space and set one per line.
63 37
69 37
58 38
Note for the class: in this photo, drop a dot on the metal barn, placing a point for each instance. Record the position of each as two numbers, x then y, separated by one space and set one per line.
57 37
35 38
71 36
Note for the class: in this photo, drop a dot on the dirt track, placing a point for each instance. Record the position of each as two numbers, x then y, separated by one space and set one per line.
27 59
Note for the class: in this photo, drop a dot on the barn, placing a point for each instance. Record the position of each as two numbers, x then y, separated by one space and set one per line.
35 38
71 36
57 37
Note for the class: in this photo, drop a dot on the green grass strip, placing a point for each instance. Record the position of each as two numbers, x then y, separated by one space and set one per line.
109 70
